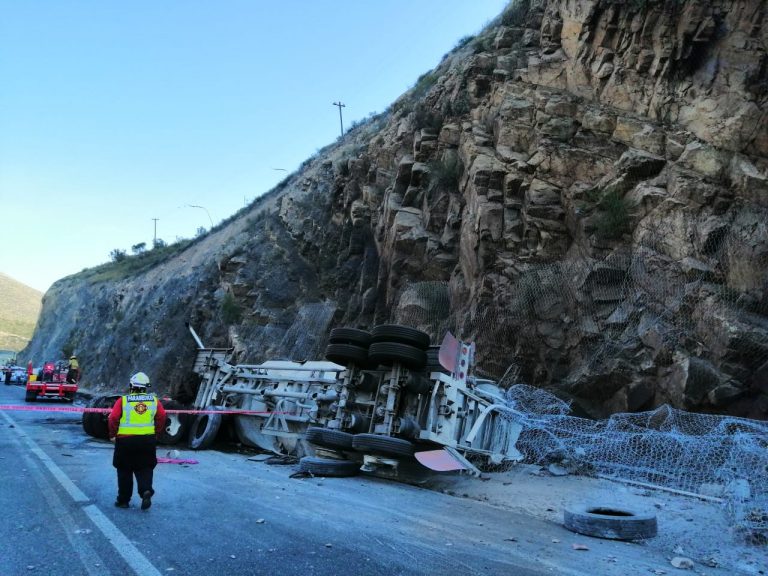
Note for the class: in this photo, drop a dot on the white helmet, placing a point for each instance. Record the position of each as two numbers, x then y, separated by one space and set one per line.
139 380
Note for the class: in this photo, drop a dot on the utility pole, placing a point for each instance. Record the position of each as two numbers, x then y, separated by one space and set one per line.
154 242
341 122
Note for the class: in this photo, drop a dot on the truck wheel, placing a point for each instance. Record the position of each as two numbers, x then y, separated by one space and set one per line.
609 522
382 445
328 467
391 352
329 438
88 423
30 396
401 334
204 429
346 354
98 421
176 425
350 336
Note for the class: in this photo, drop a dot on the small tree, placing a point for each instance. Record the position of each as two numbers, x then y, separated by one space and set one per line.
158 243
139 248
201 231
117 255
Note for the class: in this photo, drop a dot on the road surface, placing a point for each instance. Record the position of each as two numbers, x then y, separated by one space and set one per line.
231 515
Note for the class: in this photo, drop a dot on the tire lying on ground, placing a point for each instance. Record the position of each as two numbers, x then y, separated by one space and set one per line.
176 425
382 445
609 522
328 467
204 429
329 438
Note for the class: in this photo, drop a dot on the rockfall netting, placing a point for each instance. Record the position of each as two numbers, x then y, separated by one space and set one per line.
714 456
683 292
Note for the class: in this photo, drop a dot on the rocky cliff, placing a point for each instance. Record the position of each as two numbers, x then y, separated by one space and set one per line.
581 189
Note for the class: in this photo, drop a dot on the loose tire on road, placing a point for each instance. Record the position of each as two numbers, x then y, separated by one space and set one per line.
204 429
328 467
346 354
401 334
176 425
350 336
382 445
390 352
329 438
609 522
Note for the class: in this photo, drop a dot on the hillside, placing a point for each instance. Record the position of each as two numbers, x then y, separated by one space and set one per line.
19 308
581 189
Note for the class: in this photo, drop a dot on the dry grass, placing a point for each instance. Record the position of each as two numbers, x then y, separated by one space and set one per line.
19 309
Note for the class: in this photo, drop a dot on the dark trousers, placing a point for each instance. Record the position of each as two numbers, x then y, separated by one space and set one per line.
134 456
125 483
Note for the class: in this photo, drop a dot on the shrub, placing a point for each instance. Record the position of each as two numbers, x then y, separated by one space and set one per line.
515 13
117 255
614 221
445 173
231 311
425 117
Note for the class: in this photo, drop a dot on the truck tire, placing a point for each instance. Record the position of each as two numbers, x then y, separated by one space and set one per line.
204 429
99 421
346 354
30 396
401 334
329 438
350 336
609 522
328 467
390 352
382 445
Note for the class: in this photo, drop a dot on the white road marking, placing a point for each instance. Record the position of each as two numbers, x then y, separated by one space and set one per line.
89 559
122 544
135 559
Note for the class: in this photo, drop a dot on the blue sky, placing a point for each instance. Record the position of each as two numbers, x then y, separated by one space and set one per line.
113 113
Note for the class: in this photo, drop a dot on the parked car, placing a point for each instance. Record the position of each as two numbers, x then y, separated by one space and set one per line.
18 374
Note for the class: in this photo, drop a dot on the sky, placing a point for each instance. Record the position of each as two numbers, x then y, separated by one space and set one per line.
120 120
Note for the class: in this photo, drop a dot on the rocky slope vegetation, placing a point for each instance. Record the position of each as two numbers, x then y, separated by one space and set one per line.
581 189
19 310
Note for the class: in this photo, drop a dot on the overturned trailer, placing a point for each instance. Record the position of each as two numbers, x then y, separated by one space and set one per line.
379 398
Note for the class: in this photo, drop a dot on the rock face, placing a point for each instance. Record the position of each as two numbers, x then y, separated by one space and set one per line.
582 190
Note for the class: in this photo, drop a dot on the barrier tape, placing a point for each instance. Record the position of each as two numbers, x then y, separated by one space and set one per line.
25 408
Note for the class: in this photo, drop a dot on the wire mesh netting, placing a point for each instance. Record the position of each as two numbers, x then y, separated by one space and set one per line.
683 298
700 454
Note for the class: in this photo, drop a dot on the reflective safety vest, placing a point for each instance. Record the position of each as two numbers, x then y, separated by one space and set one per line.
138 417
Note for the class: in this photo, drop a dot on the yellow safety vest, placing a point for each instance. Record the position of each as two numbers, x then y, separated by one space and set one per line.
138 417
74 365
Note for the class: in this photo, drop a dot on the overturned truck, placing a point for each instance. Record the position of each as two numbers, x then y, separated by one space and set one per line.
381 398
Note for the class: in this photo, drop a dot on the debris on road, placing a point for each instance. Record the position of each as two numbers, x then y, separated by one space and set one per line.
682 563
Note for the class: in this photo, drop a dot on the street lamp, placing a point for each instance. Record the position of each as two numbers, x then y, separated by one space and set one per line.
202 208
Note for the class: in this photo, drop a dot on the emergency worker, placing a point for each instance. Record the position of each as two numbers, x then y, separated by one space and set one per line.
135 423
73 370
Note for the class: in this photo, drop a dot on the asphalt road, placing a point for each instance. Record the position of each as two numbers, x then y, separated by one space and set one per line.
230 515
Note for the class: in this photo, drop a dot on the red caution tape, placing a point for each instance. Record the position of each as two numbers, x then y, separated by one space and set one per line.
27 408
